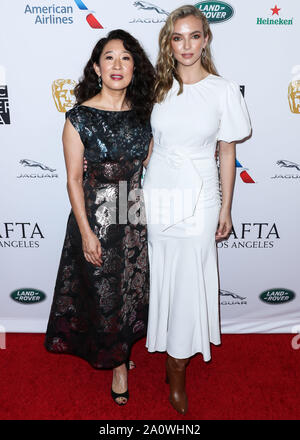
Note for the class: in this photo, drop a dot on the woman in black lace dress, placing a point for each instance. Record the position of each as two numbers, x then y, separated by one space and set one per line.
100 303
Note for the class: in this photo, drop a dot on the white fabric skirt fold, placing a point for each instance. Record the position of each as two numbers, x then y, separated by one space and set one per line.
184 291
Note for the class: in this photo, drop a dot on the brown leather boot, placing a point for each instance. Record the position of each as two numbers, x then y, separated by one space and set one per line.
175 369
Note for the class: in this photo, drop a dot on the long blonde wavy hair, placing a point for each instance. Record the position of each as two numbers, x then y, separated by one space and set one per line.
166 66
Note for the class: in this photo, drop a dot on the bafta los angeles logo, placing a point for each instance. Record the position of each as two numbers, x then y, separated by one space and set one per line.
294 96
63 94
294 91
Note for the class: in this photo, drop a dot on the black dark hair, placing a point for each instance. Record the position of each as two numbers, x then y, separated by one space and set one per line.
140 93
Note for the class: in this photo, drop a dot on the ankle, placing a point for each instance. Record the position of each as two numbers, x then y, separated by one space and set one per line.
120 368
120 371
178 364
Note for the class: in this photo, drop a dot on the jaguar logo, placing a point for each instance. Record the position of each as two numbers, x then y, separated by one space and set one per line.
234 295
149 6
33 163
288 164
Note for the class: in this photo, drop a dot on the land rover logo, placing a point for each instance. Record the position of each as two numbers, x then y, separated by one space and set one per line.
215 12
277 296
28 296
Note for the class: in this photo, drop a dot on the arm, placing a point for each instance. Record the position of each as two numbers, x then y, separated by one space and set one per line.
146 161
227 176
73 152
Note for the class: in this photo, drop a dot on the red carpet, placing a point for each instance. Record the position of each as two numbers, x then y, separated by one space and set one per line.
251 377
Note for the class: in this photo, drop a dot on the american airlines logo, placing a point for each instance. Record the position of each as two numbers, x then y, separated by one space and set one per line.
244 175
90 17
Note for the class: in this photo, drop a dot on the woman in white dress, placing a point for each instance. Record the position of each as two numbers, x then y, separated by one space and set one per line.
196 110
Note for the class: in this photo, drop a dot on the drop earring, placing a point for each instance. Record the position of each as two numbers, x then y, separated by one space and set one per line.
100 82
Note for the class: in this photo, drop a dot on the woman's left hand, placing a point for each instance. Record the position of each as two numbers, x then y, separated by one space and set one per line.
225 224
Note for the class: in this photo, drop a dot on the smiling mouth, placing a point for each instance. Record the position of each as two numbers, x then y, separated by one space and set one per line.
116 77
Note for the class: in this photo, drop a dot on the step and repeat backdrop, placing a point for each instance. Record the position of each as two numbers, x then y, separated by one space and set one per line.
44 47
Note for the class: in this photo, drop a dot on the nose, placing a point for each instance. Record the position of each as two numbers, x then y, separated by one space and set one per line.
117 63
187 43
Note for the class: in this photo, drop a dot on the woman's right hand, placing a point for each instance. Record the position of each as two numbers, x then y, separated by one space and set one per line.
92 249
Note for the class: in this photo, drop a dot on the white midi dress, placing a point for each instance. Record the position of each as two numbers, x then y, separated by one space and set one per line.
182 200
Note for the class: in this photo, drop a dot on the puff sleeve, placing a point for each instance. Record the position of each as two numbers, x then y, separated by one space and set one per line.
235 122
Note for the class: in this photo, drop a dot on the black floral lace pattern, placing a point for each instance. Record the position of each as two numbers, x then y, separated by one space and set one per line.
98 312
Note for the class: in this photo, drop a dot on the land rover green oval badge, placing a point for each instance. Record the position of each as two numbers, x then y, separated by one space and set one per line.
215 12
27 296
277 296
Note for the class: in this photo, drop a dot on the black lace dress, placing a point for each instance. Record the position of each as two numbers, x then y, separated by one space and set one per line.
98 312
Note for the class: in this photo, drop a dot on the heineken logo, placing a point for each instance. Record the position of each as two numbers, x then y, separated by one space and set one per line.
277 296
275 19
28 296
215 12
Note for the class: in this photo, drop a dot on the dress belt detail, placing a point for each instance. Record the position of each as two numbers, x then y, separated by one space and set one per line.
189 175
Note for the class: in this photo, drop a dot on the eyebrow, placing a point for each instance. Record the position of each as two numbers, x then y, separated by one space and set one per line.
194 32
111 51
